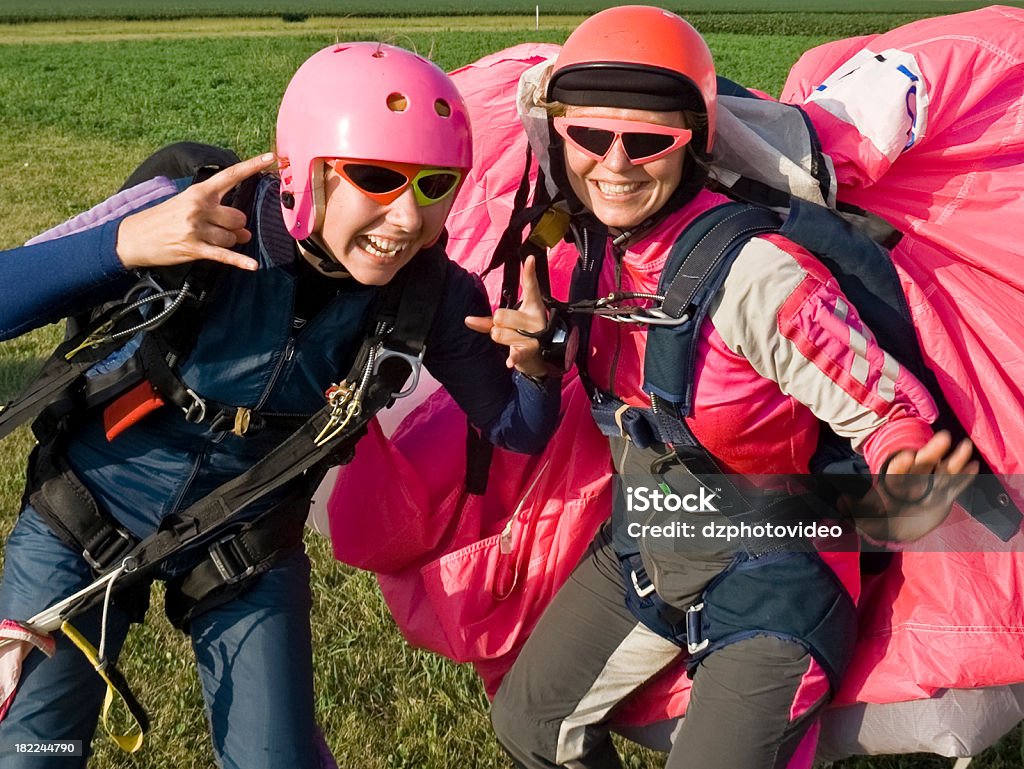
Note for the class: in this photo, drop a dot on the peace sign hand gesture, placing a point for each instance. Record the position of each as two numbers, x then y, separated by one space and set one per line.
193 224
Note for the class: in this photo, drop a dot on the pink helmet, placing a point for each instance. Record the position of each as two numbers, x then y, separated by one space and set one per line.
367 101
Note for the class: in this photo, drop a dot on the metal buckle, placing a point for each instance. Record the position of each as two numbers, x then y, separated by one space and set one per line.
229 558
146 284
643 592
111 548
195 412
415 363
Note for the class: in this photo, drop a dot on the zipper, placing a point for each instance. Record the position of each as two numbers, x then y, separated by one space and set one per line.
284 360
617 254
185 487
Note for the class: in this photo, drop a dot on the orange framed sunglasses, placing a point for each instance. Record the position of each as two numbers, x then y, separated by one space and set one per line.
383 181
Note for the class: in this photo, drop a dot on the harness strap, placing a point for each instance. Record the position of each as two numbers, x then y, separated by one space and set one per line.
699 263
794 596
328 437
67 363
233 561
72 513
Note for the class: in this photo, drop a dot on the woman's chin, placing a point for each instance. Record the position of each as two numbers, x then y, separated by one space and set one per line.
371 269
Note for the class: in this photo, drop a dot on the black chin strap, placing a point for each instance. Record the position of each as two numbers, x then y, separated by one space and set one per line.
328 263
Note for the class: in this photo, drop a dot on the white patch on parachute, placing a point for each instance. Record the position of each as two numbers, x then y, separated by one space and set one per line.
883 95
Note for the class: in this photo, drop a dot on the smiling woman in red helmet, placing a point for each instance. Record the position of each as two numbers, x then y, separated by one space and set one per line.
342 265
777 350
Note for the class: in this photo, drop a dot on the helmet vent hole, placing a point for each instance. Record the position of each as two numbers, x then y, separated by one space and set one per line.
442 108
398 102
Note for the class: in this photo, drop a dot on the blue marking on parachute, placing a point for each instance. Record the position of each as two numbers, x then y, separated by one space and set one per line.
821 87
907 72
913 118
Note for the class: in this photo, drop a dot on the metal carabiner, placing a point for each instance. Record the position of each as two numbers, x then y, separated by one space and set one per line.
145 283
654 317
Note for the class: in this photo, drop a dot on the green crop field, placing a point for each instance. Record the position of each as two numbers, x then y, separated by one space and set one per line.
81 102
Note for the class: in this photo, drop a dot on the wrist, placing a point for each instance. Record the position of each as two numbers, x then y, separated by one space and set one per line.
543 375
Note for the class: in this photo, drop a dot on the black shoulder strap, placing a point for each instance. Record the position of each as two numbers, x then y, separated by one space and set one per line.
689 268
590 237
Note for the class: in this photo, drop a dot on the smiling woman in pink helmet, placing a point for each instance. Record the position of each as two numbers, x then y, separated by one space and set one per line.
335 267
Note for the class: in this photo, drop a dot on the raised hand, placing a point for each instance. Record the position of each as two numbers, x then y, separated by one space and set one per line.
191 225
917 490
505 326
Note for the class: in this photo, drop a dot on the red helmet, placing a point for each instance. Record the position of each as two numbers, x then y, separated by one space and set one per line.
637 57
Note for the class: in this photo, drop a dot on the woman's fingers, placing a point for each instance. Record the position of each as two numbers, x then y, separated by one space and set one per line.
222 182
920 487
506 326
480 324
192 225
959 460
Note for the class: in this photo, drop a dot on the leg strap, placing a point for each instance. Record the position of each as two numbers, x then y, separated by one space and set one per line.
794 596
73 515
72 512
235 560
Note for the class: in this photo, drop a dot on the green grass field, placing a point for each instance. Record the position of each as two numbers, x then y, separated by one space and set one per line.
80 104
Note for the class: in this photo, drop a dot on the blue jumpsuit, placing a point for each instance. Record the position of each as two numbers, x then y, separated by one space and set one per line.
256 350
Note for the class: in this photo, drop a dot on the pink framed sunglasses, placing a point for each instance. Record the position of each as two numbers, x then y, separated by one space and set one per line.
642 142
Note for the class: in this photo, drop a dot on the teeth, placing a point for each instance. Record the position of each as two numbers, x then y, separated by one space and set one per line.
618 189
384 247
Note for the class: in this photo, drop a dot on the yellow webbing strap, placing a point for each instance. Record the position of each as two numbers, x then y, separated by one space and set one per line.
116 685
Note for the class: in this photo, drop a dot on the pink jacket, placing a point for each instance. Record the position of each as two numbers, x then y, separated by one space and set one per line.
781 349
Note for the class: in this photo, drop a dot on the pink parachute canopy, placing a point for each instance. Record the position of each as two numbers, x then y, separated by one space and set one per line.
925 126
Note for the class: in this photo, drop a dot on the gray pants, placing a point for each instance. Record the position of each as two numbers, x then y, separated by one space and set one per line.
750 706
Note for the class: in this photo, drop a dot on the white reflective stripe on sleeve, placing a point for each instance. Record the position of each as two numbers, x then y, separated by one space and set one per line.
860 367
842 309
887 382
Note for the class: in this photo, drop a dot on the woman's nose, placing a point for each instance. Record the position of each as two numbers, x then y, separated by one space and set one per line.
405 212
617 159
